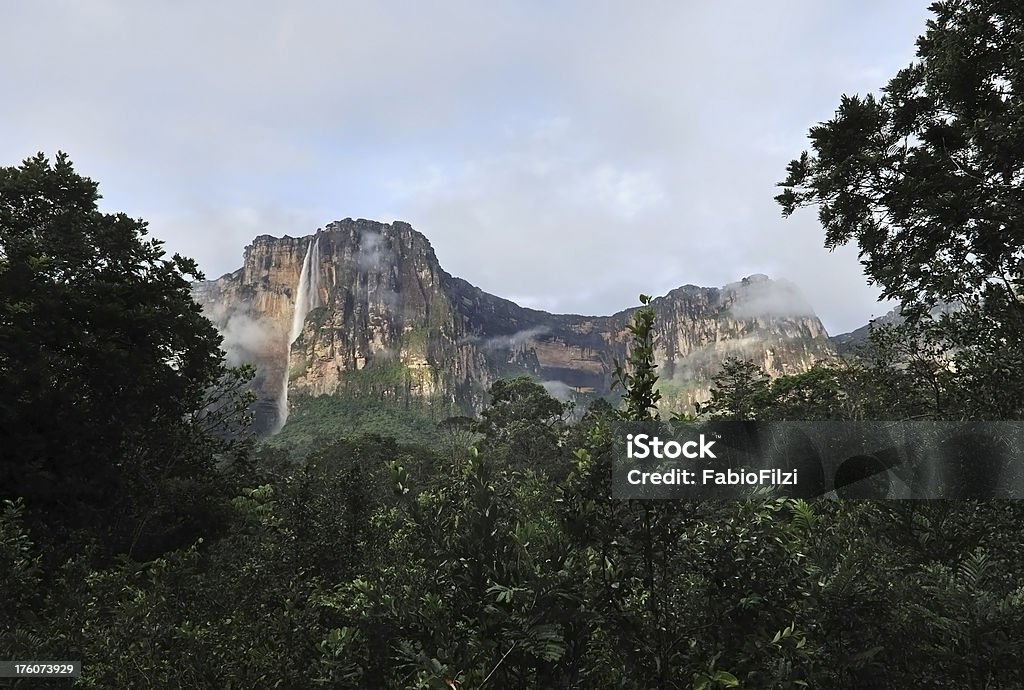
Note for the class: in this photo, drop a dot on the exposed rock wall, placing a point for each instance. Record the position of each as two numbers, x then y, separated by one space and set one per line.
394 324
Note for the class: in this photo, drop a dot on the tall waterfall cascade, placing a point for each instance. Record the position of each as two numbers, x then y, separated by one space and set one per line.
307 298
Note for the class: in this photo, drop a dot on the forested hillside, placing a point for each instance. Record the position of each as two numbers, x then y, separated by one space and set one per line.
143 533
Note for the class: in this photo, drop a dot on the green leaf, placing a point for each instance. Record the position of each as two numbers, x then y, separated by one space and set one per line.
726 679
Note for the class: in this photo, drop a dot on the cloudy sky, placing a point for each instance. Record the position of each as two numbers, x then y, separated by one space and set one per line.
568 155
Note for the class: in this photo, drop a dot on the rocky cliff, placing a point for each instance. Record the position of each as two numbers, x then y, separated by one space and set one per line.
379 317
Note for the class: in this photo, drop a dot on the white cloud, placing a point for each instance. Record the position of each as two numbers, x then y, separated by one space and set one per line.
244 337
559 390
574 154
508 342
624 193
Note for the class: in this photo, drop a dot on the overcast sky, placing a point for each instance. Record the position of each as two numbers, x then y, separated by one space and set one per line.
567 155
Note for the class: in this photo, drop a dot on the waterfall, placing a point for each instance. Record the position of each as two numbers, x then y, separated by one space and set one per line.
307 298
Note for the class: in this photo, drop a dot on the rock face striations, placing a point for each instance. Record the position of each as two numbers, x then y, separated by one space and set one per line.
379 317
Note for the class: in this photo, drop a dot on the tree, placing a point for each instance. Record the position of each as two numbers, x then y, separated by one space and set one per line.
457 433
927 178
106 365
524 422
639 378
741 390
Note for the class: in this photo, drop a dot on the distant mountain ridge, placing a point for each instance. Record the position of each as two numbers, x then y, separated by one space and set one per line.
378 316
849 343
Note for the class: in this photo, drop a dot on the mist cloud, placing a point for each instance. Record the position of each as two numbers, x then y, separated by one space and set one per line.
373 253
559 390
706 360
244 337
507 342
775 299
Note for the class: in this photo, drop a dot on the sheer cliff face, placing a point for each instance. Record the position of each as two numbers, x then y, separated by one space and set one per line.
393 324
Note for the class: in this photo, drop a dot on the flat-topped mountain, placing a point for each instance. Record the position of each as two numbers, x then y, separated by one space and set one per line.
363 308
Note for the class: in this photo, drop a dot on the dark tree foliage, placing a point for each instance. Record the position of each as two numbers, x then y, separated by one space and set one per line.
741 390
637 376
518 400
928 179
523 424
106 365
457 434
373 564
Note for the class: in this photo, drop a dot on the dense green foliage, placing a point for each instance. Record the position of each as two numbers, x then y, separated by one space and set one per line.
373 564
317 421
638 376
134 537
927 178
928 181
108 370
